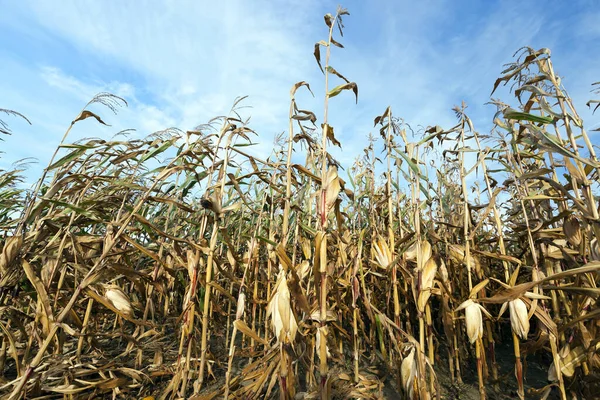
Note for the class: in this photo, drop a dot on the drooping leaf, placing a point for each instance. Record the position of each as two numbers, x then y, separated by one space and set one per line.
332 70
317 53
346 86
87 114
331 135
521 116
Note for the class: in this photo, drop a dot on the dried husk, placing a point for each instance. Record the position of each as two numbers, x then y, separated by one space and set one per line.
382 253
279 309
241 305
322 335
456 254
211 203
519 320
572 230
473 319
332 188
119 300
408 373
11 248
427 276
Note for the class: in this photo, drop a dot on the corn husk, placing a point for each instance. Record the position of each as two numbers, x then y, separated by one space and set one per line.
411 253
519 320
572 230
322 335
408 373
10 250
443 271
427 275
306 247
473 319
331 188
279 309
474 322
382 253
211 203
119 300
456 254
239 313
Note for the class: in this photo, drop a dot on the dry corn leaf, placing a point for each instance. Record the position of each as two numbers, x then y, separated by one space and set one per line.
241 326
43 300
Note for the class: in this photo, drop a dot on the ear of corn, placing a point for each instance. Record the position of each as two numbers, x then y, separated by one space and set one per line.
519 319
408 371
279 309
473 319
119 300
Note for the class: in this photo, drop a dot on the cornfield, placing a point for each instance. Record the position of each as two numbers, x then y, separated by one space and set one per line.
181 266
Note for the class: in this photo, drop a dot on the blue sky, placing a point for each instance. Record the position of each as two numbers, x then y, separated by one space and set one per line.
180 63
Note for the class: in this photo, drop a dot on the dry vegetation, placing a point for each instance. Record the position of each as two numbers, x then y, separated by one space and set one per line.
216 274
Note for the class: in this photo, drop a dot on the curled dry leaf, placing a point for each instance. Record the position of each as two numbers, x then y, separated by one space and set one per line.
594 250
555 250
87 114
570 358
